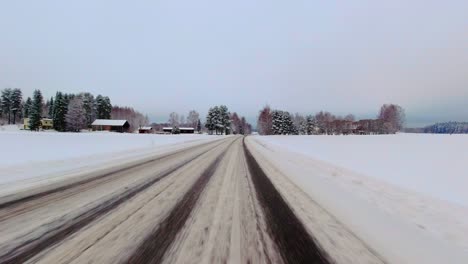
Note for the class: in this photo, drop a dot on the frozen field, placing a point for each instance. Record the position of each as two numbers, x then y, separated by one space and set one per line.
404 195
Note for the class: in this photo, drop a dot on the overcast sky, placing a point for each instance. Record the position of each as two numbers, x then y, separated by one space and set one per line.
300 56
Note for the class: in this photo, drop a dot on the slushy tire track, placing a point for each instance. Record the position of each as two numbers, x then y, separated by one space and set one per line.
28 198
287 231
153 248
32 247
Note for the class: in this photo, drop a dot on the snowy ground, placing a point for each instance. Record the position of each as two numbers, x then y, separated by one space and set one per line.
29 155
404 195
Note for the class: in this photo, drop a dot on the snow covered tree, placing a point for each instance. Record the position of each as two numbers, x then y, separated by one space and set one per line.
6 102
27 107
224 119
300 124
16 98
210 123
51 108
59 112
218 120
103 107
75 117
282 123
35 114
311 125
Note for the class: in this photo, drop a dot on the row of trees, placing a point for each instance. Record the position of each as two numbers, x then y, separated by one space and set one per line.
220 121
70 112
239 125
193 119
277 122
11 101
447 128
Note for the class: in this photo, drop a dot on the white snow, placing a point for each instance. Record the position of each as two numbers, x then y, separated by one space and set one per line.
108 122
436 165
26 154
404 195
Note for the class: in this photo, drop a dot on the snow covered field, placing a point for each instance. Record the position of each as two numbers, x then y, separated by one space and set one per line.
436 165
405 195
28 154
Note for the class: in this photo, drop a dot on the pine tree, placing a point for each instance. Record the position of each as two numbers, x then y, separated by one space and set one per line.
210 121
59 112
16 98
51 108
89 105
6 102
199 126
75 117
288 123
35 114
224 119
103 107
311 125
27 107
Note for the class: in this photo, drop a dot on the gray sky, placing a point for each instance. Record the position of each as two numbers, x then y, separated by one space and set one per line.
301 56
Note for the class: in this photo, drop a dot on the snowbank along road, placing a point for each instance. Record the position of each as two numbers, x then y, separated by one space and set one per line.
217 202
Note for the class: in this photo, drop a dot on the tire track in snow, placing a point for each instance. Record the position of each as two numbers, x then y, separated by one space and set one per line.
153 248
287 231
33 246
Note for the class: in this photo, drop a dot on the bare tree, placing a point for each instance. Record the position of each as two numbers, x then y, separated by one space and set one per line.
350 117
236 125
182 120
192 118
173 119
264 122
134 118
393 117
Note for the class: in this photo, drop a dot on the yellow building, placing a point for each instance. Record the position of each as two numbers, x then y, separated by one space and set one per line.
46 123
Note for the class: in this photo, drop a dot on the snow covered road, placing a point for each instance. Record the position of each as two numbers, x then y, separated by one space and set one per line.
218 200
208 203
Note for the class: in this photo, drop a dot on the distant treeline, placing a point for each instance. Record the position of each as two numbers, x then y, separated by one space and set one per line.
389 120
69 112
447 128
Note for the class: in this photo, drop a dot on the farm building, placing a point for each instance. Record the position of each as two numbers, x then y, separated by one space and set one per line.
182 130
145 130
110 125
46 123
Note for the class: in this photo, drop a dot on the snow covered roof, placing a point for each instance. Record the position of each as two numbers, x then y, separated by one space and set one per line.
146 128
108 122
